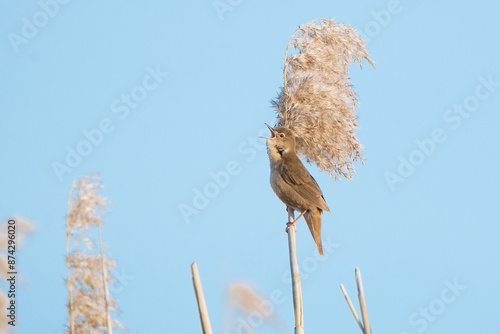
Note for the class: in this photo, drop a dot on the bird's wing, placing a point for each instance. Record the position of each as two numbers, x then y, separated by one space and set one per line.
304 184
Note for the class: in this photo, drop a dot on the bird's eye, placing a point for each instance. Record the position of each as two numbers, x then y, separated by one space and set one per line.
282 135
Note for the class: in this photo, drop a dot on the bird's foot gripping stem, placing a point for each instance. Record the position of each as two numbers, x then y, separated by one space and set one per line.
290 224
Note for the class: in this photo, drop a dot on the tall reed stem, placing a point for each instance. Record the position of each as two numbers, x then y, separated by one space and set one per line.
294 269
200 300
365 326
105 282
70 295
362 303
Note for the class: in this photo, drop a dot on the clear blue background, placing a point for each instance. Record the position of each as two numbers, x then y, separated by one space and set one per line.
440 225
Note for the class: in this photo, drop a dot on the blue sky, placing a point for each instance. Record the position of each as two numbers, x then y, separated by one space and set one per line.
174 93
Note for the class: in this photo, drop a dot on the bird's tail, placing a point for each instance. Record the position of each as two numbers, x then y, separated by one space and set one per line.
313 220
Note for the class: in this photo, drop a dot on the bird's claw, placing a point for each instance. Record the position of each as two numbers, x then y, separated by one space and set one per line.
290 224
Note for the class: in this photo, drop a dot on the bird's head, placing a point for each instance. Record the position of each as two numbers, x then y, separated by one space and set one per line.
281 141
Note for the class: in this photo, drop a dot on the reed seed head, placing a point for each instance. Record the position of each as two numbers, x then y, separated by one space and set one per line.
317 100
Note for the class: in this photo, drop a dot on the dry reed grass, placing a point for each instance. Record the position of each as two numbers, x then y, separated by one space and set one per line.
89 304
317 101
244 302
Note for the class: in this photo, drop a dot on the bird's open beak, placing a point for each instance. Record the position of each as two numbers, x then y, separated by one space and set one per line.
272 132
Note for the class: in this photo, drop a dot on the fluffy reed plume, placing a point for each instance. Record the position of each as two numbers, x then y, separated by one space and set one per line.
317 100
5 328
246 310
22 227
89 304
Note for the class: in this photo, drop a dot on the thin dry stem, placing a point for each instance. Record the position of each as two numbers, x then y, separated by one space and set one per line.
200 300
365 326
294 269
362 303
104 271
351 307
71 325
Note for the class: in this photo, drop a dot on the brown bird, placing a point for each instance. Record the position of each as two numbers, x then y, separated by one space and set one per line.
293 184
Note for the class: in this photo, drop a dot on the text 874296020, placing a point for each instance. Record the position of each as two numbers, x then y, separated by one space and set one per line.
11 274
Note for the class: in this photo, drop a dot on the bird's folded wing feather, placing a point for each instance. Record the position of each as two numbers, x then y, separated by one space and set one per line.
304 183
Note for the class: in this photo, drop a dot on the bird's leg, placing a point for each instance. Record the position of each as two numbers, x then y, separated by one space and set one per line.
290 224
